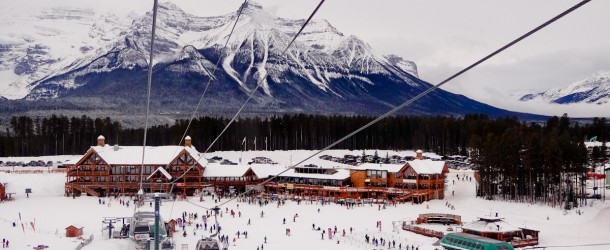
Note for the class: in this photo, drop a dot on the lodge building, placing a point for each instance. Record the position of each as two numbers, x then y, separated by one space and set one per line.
106 170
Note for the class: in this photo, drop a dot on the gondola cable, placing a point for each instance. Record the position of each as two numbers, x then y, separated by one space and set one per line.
206 88
422 94
250 95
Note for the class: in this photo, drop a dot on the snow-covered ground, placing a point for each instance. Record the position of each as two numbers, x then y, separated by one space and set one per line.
52 213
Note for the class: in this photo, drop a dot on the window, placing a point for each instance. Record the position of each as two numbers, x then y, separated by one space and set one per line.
148 170
377 174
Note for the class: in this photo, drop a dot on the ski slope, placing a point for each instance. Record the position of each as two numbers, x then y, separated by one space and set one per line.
52 213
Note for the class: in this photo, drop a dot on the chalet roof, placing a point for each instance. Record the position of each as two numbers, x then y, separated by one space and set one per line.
218 170
392 168
163 171
132 155
77 226
490 224
427 166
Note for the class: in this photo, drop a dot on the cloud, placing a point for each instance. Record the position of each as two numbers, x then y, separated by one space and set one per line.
502 85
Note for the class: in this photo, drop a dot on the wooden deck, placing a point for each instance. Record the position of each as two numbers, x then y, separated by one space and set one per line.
524 242
423 231
439 218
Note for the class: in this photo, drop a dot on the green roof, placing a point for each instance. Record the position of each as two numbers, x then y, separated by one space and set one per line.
471 241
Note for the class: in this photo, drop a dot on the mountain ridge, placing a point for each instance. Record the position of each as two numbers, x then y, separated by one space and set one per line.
324 71
594 90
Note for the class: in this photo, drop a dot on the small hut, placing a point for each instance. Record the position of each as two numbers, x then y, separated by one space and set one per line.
2 192
74 231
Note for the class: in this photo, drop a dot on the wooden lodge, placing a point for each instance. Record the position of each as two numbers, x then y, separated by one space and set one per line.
425 177
496 228
74 231
106 170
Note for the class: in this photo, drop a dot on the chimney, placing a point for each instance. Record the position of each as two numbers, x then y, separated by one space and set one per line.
101 141
187 141
419 155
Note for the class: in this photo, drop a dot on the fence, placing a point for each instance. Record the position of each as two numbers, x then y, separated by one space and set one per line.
85 243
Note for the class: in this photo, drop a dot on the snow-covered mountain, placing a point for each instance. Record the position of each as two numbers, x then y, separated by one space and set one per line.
594 90
79 59
61 41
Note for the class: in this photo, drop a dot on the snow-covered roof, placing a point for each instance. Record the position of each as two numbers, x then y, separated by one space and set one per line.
266 170
72 161
132 155
78 226
217 170
483 225
163 171
392 168
341 174
101 137
427 166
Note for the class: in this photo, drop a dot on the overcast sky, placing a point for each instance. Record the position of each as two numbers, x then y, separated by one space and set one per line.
444 36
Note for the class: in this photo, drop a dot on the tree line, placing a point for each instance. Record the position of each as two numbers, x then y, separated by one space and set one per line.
26 136
533 163
515 160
